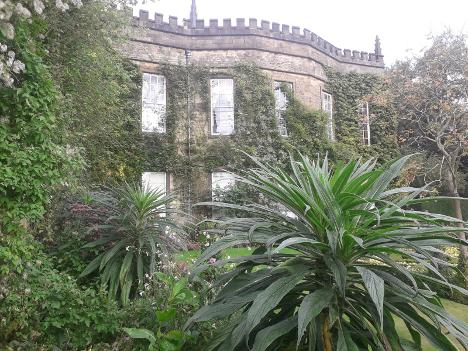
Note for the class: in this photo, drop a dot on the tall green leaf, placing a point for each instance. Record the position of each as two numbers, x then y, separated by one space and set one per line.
310 308
267 336
375 286
268 300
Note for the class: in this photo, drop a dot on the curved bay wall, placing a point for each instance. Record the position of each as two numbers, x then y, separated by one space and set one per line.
285 53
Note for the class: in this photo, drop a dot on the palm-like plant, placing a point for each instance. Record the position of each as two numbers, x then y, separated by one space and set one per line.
331 277
136 236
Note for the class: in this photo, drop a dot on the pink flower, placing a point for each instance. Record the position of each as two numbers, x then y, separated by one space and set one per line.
212 260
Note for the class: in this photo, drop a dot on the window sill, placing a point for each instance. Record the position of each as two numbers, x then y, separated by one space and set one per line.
214 136
152 132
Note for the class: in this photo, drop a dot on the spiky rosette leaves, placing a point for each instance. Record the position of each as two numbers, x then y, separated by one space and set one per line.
332 271
136 235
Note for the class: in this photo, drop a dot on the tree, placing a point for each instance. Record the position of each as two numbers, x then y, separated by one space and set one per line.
430 95
101 89
11 14
328 277
32 155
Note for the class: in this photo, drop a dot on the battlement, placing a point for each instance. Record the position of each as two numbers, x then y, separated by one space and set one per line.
259 28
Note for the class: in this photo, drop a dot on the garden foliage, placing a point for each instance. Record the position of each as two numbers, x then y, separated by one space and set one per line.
100 90
164 337
42 306
430 95
136 235
32 155
99 272
328 276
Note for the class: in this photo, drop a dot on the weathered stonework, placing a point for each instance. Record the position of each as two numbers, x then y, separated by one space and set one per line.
285 53
282 52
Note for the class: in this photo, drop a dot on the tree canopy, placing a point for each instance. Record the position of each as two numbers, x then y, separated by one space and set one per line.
430 96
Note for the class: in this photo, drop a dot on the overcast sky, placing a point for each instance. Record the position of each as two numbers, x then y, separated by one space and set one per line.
402 25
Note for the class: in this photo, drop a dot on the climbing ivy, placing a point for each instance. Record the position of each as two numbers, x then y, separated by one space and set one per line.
162 149
191 159
255 130
99 88
348 89
306 129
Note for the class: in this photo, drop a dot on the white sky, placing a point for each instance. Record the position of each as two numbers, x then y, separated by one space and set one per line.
402 25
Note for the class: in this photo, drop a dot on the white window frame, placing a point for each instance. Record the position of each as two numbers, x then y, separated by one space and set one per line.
226 105
281 104
227 182
363 110
147 186
146 181
327 106
153 103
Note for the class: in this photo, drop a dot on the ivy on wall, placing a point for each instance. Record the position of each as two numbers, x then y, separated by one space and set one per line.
348 89
164 151
112 149
255 130
306 129
190 160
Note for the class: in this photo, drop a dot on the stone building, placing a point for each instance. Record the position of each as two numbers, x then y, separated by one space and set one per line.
289 56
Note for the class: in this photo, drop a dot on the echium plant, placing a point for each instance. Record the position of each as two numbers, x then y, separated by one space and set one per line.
136 237
329 276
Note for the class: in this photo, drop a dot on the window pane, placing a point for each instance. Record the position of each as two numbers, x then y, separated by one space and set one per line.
363 110
281 104
327 107
223 120
281 98
224 100
222 106
221 181
154 181
153 116
363 106
280 120
146 88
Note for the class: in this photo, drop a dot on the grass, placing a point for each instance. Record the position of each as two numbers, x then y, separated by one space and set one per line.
189 256
192 255
457 310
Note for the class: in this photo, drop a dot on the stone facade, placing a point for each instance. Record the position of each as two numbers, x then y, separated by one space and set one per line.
252 37
283 53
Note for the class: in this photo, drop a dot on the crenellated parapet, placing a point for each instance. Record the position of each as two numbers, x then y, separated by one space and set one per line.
253 27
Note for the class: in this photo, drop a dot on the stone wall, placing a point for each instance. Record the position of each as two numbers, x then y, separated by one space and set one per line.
284 53
254 35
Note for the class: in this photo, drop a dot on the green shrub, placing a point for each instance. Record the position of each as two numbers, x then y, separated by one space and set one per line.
32 156
44 307
175 300
66 228
100 112
15 250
